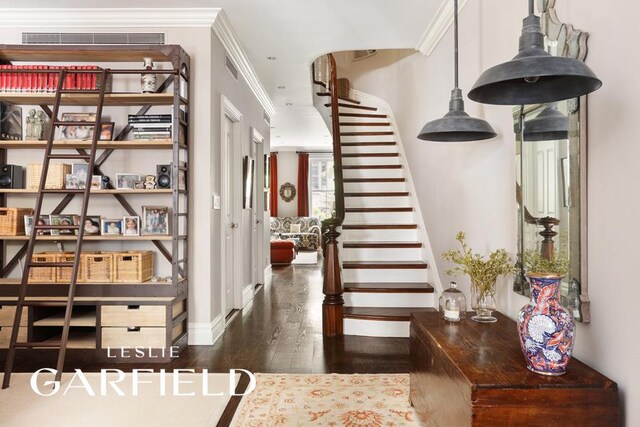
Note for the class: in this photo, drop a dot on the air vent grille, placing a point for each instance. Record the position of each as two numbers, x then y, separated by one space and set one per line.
232 68
93 38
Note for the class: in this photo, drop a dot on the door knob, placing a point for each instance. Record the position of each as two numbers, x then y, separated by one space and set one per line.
234 225
258 221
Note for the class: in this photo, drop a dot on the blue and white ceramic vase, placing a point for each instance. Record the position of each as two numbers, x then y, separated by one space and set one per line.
546 328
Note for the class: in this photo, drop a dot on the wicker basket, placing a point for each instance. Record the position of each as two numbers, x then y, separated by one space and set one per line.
55 177
43 274
133 266
63 274
12 221
97 267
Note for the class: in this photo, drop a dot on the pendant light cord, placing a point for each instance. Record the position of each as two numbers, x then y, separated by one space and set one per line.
455 38
531 8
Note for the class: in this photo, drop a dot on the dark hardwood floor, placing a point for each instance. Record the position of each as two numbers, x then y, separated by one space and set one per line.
281 331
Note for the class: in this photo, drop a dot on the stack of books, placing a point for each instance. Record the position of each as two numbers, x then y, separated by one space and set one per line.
152 126
13 78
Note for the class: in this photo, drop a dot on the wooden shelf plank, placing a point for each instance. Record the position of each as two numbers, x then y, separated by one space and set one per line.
93 53
77 339
16 281
89 99
97 238
87 318
93 192
71 144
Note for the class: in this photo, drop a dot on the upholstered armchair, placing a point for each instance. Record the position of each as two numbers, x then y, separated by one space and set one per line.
305 229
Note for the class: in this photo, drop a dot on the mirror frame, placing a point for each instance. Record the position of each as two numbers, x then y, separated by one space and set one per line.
285 188
575 46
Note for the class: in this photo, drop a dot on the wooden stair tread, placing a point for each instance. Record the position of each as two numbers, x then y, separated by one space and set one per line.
359 107
379 226
379 194
372 287
383 313
370 155
380 209
381 245
384 133
367 115
365 124
371 143
384 265
374 180
371 166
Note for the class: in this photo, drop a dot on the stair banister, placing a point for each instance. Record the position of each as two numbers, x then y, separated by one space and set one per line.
333 304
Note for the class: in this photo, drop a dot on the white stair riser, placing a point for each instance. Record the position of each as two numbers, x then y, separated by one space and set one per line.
379 218
380 235
363 149
367 138
373 173
349 161
344 119
371 187
376 328
374 299
372 202
385 275
366 128
349 108
386 254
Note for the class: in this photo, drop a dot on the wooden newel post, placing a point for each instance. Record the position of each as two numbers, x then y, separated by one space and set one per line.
332 306
548 249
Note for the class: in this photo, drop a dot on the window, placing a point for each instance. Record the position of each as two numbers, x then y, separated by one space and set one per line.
322 194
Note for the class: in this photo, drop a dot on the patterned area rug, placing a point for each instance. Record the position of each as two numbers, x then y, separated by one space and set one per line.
328 400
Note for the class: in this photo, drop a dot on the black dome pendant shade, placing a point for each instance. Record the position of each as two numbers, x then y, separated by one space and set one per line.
456 125
549 125
534 76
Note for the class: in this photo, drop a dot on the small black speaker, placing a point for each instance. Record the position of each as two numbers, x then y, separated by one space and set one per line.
163 173
11 176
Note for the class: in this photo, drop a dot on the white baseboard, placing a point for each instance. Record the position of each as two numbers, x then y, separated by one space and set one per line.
247 294
268 275
206 333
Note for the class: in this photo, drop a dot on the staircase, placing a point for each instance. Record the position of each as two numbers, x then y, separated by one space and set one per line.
383 255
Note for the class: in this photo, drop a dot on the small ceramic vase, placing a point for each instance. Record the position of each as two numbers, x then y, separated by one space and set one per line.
148 81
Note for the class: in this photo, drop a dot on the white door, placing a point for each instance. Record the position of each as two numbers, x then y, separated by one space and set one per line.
230 224
257 255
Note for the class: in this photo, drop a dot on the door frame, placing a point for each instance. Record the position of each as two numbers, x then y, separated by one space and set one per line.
258 210
229 111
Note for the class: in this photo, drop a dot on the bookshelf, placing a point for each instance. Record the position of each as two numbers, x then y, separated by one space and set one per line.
97 301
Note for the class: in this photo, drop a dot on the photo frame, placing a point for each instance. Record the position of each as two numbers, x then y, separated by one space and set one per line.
92 225
28 225
96 182
106 131
248 168
79 132
130 225
81 171
126 181
71 182
111 227
155 220
63 220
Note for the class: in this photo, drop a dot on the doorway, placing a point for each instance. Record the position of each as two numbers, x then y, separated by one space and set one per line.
231 208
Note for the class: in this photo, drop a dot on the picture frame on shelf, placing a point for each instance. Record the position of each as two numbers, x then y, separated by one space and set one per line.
126 181
28 225
63 220
131 225
155 220
92 225
81 171
111 227
77 131
71 182
106 131
96 182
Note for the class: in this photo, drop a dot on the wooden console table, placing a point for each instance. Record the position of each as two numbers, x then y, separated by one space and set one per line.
474 374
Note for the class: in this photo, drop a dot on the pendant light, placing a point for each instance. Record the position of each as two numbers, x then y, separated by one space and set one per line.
549 125
534 76
456 125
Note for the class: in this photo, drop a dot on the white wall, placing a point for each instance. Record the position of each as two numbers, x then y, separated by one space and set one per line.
287 172
471 186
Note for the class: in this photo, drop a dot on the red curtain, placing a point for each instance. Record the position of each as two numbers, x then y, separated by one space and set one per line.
273 183
303 184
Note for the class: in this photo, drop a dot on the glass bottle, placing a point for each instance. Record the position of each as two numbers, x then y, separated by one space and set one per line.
453 304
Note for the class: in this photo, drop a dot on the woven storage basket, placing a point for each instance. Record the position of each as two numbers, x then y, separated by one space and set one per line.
97 267
12 221
55 177
133 266
43 274
63 274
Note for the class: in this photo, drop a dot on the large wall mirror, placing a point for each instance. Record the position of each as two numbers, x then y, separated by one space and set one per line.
551 171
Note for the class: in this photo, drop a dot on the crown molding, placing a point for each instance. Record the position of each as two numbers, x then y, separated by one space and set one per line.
108 17
224 31
438 27
214 18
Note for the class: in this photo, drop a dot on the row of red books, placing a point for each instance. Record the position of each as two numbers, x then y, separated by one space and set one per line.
13 79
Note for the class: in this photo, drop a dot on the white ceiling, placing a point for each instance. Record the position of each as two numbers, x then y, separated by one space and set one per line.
296 32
